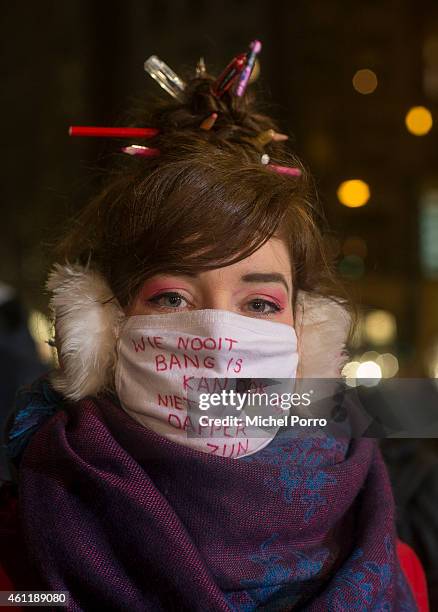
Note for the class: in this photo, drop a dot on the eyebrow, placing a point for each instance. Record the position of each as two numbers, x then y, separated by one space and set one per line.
254 277
265 277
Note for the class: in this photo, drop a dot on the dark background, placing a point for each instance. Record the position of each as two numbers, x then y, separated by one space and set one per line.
81 62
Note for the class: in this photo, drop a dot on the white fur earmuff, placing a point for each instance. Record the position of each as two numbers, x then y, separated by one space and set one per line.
322 326
87 317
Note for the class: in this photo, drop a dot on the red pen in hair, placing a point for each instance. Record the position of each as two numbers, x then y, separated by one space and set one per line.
113 132
229 74
284 169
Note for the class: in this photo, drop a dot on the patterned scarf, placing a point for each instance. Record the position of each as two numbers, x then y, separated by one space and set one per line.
124 519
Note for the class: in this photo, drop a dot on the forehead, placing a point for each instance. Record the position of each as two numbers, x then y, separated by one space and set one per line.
273 256
269 261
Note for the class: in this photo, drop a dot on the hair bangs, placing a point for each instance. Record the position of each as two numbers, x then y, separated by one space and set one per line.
192 218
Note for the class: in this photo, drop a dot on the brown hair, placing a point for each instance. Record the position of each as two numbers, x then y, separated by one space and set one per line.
207 201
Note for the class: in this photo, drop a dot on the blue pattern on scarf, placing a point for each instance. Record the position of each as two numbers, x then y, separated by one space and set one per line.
278 580
305 453
354 586
35 403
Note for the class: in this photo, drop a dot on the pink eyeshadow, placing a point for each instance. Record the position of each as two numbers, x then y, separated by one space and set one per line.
277 296
153 288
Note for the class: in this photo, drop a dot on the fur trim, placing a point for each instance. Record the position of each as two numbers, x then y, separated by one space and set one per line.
322 325
87 318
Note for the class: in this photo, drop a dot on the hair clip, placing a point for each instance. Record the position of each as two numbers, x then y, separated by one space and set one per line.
165 77
279 137
141 151
111 132
266 136
265 159
255 48
263 138
200 68
229 75
209 122
284 170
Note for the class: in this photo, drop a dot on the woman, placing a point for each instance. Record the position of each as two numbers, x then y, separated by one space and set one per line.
203 262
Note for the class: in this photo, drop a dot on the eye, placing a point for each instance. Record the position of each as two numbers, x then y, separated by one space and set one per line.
264 307
169 299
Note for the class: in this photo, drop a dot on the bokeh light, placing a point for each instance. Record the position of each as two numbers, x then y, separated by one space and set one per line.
355 246
349 372
41 329
366 373
351 267
388 364
353 193
369 372
365 81
380 327
369 356
419 120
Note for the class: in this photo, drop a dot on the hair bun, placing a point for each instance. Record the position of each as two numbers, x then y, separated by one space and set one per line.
238 121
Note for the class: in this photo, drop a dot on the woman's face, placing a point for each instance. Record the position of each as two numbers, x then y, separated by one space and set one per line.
258 286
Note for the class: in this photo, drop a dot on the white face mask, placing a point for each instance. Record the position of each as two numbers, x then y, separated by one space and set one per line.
164 358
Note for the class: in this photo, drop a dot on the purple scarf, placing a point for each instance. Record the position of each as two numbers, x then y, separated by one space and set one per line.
124 519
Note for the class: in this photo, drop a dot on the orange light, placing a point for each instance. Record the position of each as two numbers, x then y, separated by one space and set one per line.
353 193
365 81
419 120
